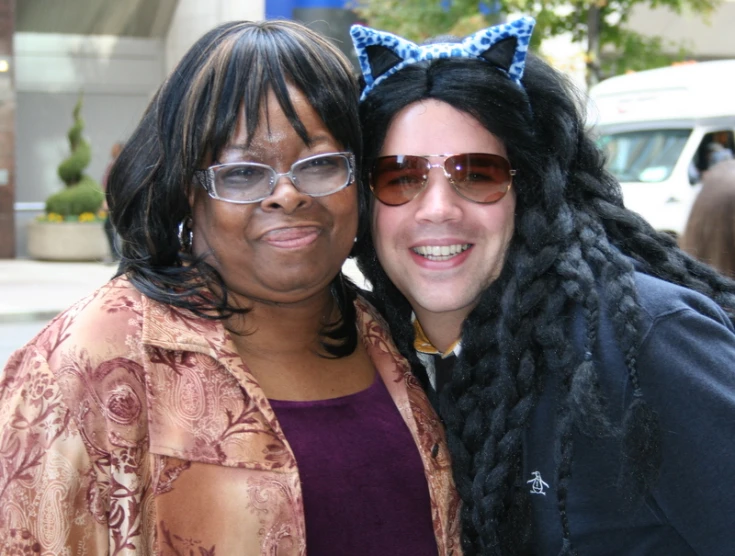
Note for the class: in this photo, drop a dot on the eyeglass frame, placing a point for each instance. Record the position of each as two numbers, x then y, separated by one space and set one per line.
511 173
209 177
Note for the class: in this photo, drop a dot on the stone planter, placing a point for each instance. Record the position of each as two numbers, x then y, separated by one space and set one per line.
68 241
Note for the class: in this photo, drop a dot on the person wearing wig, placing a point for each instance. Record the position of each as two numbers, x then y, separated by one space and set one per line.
229 392
583 366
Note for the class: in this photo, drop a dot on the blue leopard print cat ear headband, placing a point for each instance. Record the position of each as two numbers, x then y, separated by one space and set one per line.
382 54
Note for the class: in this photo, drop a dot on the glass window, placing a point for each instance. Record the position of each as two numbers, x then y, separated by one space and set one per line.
643 156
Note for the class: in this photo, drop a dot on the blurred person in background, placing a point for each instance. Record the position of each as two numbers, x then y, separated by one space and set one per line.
229 392
717 153
710 231
583 365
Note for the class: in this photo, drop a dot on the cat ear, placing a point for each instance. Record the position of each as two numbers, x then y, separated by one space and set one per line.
378 52
504 46
381 59
501 54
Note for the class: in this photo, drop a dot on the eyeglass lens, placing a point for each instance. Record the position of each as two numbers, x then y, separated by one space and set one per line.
479 177
250 182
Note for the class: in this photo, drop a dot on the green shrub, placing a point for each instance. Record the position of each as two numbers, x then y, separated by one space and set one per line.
86 196
82 194
71 170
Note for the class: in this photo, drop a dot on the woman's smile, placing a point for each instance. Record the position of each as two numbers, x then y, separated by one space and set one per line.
292 237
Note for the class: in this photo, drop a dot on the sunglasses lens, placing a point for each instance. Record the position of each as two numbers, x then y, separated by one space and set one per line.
479 177
395 180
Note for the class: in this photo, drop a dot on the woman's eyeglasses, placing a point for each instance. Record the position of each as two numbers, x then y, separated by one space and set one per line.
478 177
251 182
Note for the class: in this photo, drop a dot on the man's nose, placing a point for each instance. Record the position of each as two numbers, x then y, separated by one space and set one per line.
438 202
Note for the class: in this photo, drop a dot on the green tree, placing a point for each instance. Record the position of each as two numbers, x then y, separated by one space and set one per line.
598 25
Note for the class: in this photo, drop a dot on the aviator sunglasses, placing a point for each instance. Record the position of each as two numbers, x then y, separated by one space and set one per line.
478 177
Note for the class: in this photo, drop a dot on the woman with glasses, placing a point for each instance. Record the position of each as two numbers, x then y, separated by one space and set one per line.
584 367
229 392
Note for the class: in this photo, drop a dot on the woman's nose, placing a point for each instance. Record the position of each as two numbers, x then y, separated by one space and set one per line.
285 196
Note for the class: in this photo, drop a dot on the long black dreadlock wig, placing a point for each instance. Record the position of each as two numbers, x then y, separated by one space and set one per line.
573 237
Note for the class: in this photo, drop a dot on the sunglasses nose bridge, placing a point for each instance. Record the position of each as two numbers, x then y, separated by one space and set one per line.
438 190
441 166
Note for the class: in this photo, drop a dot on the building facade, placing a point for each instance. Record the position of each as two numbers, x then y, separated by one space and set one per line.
116 54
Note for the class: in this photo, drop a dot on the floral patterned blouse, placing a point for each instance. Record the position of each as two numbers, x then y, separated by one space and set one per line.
130 427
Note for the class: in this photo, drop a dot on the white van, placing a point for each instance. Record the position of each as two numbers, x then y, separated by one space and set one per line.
658 128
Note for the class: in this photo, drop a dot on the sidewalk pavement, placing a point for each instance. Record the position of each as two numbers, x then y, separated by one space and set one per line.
34 292
38 290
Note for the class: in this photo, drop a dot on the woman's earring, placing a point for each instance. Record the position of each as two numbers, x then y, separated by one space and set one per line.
186 234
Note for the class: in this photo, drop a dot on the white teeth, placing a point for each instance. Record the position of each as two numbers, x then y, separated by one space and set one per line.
440 252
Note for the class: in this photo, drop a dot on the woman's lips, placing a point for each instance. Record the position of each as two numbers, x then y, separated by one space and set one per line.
293 237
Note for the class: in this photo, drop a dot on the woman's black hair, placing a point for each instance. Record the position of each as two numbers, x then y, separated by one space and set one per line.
572 236
230 70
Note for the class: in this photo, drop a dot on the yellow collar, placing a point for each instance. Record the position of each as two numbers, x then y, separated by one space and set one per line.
422 344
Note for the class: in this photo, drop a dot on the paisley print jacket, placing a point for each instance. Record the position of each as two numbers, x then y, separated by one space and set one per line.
129 427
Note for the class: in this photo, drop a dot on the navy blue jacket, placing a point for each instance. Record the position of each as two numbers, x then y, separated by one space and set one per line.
686 366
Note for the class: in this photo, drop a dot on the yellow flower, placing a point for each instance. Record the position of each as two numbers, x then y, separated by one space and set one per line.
54 217
87 217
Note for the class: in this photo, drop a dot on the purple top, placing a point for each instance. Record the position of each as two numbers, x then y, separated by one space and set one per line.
365 492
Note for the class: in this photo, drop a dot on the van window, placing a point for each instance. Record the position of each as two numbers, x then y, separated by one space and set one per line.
643 156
